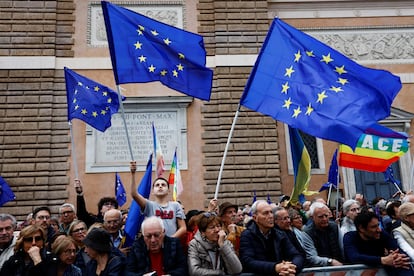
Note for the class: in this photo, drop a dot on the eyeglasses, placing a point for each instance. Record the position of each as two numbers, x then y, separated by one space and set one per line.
323 216
284 218
35 238
43 217
108 204
70 251
79 230
297 217
354 210
7 229
155 235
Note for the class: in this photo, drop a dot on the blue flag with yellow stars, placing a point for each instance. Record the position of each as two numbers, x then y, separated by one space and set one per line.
146 50
120 193
90 101
308 85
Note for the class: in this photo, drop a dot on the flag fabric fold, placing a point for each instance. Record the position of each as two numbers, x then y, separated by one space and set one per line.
90 101
159 157
175 178
373 153
6 193
120 193
310 86
135 217
333 175
145 50
301 167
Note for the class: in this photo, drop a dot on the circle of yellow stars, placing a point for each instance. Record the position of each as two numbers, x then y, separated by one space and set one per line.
151 67
322 95
94 113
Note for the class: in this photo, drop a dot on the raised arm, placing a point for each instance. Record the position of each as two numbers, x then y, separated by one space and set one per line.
134 192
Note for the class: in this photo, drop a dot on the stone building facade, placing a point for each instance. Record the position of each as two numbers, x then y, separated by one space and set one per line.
38 38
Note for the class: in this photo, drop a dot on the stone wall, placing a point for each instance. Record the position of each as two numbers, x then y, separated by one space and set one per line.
33 122
252 162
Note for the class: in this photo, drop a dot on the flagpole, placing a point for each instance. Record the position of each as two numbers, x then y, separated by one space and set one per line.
329 193
225 151
72 140
123 119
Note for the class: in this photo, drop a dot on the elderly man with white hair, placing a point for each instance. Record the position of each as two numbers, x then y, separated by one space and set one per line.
405 233
156 252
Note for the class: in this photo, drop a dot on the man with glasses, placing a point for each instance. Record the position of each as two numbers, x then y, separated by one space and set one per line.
7 239
67 216
155 252
325 235
104 204
41 217
265 250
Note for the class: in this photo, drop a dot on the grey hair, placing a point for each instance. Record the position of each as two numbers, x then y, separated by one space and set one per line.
347 205
254 206
5 217
152 219
277 210
66 205
113 210
316 205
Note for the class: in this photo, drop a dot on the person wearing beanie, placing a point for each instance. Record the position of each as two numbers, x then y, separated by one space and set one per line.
103 261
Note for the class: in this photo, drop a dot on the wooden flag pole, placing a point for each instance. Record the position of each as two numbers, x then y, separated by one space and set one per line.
225 151
72 140
121 105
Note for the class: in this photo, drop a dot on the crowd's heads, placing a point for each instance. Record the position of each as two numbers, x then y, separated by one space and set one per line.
406 213
99 240
30 235
351 208
65 248
107 203
153 231
367 224
77 230
112 221
228 212
320 214
207 218
41 217
262 214
282 218
392 208
7 226
67 213
295 219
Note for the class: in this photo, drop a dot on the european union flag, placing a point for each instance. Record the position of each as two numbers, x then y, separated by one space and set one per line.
120 193
333 173
90 101
6 194
308 85
145 50
135 217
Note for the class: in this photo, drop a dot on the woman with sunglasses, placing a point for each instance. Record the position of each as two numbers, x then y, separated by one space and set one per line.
210 253
31 257
78 230
64 248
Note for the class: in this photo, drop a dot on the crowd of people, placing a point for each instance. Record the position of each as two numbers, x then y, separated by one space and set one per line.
225 239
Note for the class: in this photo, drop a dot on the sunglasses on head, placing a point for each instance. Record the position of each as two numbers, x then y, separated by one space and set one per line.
209 214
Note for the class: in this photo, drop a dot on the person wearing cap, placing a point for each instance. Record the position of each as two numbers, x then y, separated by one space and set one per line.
405 233
103 261
227 214
155 252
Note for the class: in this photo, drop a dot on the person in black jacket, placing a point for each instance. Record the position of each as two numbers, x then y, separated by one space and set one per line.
104 204
31 257
104 260
264 250
153 251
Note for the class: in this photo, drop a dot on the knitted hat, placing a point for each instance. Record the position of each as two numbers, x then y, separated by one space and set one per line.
98 239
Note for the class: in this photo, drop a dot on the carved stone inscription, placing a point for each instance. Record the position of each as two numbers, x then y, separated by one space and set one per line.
110 151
